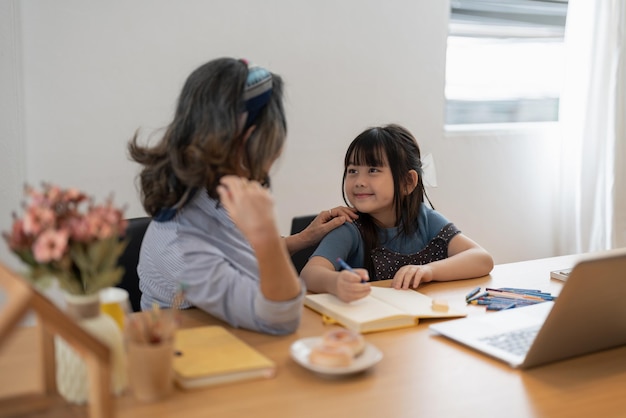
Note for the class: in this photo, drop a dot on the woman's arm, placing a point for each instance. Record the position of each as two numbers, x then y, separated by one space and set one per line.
251 208
323 223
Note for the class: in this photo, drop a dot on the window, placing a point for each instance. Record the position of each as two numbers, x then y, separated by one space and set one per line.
504 61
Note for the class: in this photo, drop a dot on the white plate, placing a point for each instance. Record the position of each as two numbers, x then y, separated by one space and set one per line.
301 349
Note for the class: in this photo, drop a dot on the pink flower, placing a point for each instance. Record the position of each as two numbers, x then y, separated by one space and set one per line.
53 194
37 219
17 239
36 197
79 229
73 195
56 220
50 245
105 221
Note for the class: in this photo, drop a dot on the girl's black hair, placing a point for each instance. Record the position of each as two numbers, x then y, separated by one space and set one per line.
398 147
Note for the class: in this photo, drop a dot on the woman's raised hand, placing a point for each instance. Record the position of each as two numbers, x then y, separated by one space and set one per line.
250 206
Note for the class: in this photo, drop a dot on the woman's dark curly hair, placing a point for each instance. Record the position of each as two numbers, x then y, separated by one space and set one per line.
205 141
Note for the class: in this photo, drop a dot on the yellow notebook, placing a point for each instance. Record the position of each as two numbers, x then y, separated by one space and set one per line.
383 309
211 355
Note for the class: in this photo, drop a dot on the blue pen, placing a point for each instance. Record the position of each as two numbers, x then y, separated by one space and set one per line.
346 266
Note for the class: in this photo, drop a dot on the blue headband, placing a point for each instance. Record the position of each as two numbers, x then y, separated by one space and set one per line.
256 93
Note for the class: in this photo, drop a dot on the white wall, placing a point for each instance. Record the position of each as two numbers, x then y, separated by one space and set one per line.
94 72
12 152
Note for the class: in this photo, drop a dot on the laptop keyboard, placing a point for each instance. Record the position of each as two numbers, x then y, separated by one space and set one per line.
516 342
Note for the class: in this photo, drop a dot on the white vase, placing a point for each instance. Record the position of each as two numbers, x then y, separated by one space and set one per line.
71 371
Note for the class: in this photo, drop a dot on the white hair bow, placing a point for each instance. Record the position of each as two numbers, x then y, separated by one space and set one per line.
429 174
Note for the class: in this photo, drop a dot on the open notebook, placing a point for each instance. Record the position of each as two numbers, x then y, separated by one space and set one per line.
383 309
589 315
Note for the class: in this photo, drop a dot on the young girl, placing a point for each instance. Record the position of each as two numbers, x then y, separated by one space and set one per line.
397 236
205 185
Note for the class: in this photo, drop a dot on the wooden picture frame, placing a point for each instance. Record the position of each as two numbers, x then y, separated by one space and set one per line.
22 297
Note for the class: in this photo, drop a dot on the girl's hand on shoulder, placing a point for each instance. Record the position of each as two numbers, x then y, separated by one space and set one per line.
249 205
350 286
326 221
410 276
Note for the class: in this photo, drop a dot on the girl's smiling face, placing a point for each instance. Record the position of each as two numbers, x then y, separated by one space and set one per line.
370 189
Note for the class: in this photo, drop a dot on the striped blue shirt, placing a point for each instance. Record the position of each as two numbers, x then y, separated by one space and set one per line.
202 248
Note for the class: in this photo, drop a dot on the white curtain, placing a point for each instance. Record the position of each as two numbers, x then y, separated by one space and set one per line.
592 211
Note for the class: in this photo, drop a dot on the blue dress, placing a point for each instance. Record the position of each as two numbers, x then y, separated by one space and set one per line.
429 243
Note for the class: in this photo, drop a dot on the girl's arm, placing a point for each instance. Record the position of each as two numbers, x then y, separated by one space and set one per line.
320 277
466 259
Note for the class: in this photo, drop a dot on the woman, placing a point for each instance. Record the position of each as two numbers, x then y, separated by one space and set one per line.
205 183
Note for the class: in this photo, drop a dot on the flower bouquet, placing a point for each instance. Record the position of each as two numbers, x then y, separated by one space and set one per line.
64 234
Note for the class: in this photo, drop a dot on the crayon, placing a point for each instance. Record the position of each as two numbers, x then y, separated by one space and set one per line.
472 293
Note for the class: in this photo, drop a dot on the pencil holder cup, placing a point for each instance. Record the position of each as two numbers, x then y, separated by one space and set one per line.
150 369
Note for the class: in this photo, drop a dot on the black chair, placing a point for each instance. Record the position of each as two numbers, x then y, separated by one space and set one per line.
300 258
130 258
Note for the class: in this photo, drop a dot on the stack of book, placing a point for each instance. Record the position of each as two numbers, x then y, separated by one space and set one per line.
507 297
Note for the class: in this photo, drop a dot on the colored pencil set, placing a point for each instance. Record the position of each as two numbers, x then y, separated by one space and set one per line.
506 297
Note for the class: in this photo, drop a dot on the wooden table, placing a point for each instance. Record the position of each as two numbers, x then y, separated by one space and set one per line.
421 374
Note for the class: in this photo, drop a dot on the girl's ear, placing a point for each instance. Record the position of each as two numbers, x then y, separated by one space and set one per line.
411 181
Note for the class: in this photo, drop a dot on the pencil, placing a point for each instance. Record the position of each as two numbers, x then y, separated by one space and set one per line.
529 292
510 295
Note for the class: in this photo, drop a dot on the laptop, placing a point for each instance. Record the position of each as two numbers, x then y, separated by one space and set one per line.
561 274
588 315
